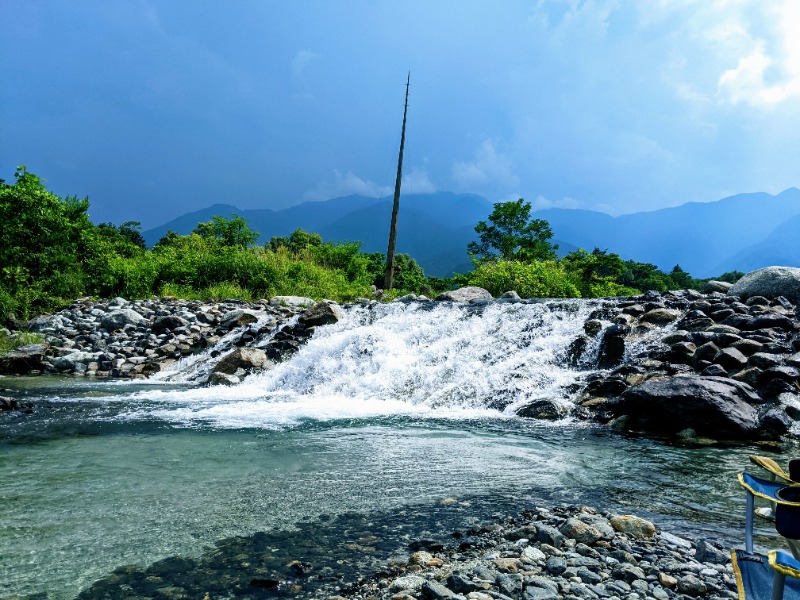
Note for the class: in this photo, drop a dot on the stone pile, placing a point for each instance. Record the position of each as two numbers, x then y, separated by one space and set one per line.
569 553
137 338
724 368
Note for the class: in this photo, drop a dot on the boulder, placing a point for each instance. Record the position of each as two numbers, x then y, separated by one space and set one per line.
660 316
167 323
633 526
612 346
23 359
120 318
464 294
543 409
322 313
716 286
248 359
715 407
770 282
238 318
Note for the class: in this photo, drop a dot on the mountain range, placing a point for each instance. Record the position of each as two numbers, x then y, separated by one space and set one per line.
741 232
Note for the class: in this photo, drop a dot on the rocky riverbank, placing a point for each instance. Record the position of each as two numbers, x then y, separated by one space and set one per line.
570 553
561 553
722 364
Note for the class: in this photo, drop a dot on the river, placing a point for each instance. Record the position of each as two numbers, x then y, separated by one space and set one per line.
398 418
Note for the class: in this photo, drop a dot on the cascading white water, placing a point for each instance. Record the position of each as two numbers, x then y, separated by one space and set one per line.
442 360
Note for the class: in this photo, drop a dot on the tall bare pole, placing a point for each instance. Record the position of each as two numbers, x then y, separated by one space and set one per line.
388 279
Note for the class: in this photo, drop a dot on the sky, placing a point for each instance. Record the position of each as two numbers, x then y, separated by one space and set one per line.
154 108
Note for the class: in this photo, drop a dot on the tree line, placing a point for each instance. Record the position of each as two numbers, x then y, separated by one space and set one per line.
51 253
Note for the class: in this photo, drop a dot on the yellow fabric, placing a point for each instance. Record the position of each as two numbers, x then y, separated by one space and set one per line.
738 574
773 562
764 496
770 465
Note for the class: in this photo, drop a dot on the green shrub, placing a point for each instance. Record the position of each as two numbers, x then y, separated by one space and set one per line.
545 279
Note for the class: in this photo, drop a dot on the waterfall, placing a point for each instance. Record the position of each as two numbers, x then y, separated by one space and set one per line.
434 360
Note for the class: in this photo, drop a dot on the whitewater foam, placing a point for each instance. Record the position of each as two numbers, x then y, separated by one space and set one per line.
429 360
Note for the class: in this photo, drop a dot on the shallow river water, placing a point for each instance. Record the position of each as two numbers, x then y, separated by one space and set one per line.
379 420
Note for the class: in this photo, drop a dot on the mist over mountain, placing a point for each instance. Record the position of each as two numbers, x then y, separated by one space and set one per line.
741 232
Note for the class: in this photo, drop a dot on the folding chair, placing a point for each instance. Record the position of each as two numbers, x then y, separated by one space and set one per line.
776 575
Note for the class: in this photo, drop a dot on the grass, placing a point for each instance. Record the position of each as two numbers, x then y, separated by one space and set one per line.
12 340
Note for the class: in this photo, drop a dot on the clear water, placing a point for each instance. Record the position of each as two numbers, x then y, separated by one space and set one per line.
392 408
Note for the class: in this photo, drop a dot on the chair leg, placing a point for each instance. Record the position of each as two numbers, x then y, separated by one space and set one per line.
748 523
778 582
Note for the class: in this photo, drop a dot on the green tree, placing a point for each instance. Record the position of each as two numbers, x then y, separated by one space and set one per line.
230 232
42 244
298 241
681 279
511 234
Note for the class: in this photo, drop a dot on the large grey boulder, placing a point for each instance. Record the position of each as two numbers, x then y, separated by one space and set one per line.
119 318
715 407
464 294
769 282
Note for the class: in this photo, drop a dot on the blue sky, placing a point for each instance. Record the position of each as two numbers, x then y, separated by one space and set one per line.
155 108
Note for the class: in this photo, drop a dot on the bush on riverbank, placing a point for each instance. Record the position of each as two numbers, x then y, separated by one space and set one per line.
52 253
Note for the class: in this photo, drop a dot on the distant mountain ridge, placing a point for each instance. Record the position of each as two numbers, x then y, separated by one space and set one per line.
741 232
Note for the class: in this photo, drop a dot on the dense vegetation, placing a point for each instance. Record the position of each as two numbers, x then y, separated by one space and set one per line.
51 253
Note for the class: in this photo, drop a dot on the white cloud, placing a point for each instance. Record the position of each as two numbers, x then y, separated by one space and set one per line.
417 181
345 185
764 77
489 166
541 203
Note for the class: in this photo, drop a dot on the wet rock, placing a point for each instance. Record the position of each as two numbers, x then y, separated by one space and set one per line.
322 313
715 406
612 346
543 409
218 378
464 294
248 359
660 316
730 359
